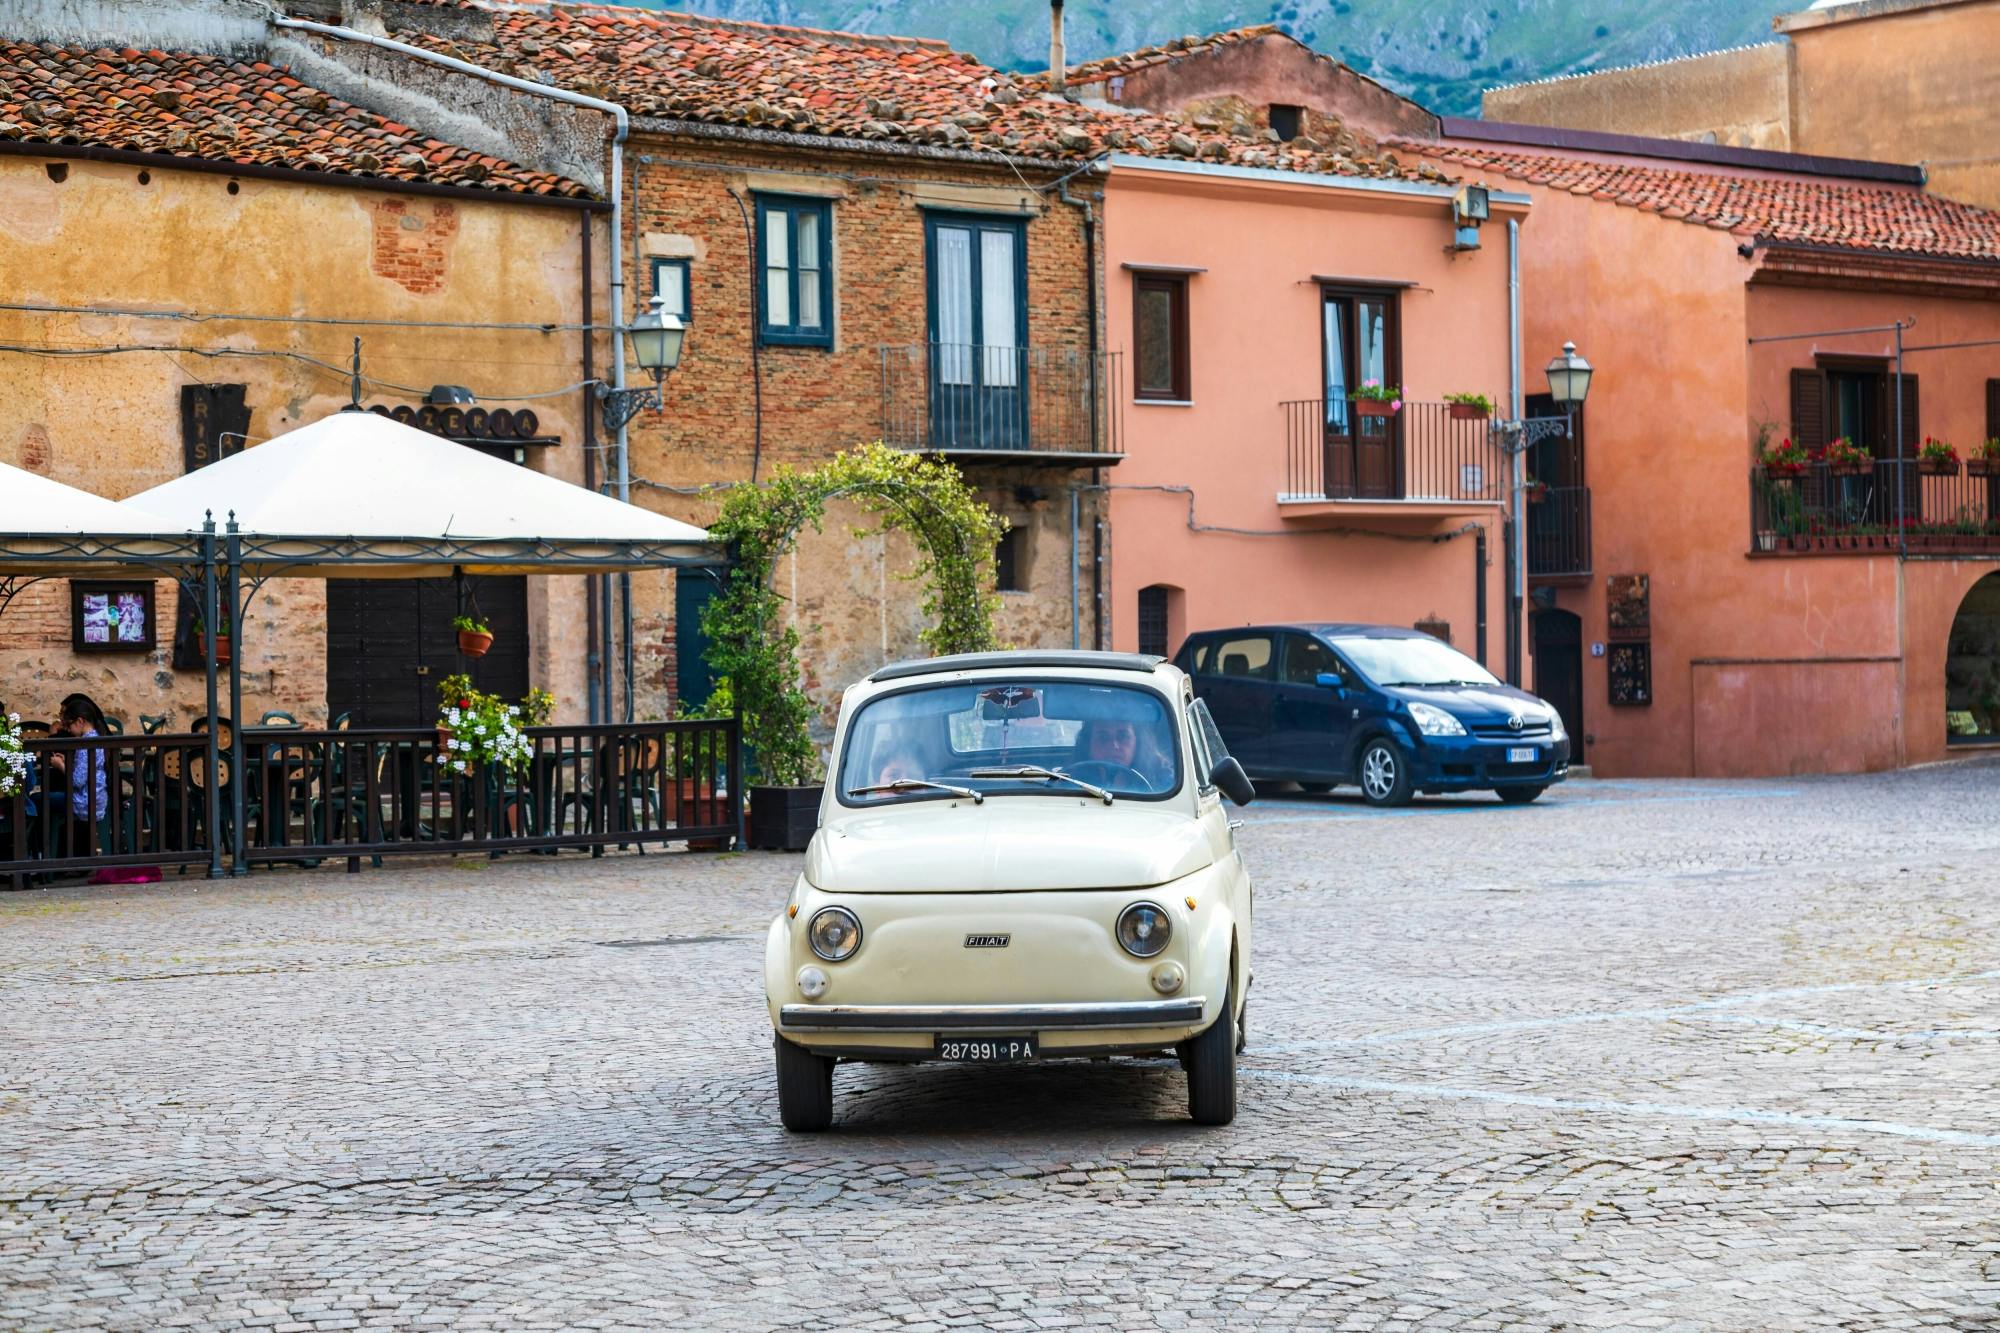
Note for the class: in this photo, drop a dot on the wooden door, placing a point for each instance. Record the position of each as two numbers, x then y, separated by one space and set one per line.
1358 345
1559 671
389 642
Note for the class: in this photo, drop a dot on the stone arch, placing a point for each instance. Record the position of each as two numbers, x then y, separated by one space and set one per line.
1972 666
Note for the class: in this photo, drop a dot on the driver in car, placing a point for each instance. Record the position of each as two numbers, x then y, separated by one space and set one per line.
1115 741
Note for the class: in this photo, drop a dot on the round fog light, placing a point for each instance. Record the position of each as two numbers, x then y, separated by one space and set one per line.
812 982
1168 978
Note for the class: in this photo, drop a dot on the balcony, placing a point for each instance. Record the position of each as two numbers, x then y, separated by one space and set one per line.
1423 465
1559 534
1896 507
970 403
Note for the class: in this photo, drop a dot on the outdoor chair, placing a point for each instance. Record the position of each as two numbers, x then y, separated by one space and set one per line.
624 780
329 814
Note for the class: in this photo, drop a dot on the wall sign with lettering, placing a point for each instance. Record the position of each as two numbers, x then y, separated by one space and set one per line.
214 422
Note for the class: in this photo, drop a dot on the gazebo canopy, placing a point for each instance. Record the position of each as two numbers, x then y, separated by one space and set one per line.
47 528
357 495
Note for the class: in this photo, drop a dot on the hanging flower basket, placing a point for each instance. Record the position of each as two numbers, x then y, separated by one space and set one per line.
1979 465
1373 407
474 638
1469 412
1852 468
1938 467
222 649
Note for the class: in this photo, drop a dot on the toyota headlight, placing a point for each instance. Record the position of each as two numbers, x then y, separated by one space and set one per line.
1556 725
1144 929
1434 721
834 933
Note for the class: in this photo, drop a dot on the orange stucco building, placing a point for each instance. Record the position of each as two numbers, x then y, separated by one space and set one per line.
1734 622
1250 304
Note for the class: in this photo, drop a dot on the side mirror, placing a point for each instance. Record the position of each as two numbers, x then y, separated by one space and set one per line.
1234 782
1330 680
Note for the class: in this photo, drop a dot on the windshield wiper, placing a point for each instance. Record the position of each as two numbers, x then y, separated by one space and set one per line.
914 784
1046 774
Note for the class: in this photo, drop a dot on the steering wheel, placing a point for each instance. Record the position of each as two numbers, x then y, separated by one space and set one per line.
1114 774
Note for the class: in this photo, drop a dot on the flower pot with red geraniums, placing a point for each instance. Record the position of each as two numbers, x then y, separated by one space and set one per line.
1536 492
1469 406
1376 399
1844 458
1786 461
474 638
1985 460
1938 458
220 639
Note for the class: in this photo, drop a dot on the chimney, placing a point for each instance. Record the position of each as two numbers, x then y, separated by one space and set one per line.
1058 70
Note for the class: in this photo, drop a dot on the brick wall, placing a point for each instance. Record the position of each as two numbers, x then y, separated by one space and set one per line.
855 608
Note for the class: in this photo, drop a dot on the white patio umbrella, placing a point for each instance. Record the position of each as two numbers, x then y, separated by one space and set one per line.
49 529
357 495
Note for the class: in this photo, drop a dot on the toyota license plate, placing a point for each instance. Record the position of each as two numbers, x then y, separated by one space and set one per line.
1522 754
985 1050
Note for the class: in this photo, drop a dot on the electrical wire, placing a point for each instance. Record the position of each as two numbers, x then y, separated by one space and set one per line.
344 372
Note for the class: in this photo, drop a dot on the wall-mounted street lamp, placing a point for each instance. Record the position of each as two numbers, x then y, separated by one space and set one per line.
656 337
1569 384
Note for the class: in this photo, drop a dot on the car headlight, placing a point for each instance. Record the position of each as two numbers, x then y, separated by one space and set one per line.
1144 929
1556 725
834 933
1434 721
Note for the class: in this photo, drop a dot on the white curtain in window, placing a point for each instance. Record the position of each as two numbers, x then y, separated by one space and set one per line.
810 315
996 310
777 268
954 305
1334 314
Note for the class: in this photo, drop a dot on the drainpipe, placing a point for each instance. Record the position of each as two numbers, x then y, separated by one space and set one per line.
1100 404
1517 591
1075 572
623 131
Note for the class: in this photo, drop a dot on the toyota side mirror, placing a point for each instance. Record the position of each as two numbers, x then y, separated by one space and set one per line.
1234 782
1330 680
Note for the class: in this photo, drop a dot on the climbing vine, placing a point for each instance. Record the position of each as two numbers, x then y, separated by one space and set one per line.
753 648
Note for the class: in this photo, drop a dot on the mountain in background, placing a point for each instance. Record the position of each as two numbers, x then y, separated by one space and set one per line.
1442 53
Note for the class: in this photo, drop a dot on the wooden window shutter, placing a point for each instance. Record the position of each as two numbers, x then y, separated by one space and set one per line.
1809 416
1993 409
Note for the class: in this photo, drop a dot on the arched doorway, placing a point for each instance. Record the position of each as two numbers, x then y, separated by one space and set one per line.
1558 637
1972 667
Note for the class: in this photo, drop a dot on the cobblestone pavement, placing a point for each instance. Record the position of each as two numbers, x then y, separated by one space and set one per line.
1665 1054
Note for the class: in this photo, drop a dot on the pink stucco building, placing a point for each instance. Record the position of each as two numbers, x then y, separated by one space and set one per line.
1251 305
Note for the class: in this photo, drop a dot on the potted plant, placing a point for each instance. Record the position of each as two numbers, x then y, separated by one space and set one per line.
1376 399
753 644
474 638
454 695
220 639
1786 461
685 794
1469 406
13 759
476 730
1536 491
1844 458
1985 460
1938 458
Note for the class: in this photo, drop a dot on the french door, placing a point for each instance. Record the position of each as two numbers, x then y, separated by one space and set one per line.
1357 345
978 316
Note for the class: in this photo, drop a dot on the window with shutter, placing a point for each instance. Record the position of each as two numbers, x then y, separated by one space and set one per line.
1809 407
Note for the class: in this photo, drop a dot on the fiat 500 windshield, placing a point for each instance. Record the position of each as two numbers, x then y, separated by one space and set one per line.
1011 738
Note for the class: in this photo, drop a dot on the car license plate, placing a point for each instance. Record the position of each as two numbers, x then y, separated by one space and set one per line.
985 1050
1522 754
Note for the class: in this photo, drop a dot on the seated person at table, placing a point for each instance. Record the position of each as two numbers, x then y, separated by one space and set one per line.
31 781
82 773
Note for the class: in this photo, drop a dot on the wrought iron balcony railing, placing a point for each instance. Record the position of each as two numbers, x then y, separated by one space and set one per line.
1895 506
1424 453
1559 532
970 399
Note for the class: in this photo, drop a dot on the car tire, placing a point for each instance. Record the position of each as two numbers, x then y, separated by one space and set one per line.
1211 1067
805 1088
1315 788
1518 795
1384 773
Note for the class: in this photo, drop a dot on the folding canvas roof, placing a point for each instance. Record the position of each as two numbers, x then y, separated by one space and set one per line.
357 495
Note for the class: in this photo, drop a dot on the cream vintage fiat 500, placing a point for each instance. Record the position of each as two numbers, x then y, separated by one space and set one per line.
1021 856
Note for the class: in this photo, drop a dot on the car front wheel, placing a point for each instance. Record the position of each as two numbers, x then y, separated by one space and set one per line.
805 1088
1211 1067
1519 795
1385 775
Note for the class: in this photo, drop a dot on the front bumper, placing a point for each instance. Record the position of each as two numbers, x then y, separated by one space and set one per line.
953 1019
1456 763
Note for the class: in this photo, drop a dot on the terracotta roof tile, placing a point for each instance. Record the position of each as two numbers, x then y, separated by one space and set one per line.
1801 210
674 66
1128 62
212 108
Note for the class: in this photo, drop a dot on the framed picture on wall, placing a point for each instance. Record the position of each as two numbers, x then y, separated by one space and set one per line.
111 617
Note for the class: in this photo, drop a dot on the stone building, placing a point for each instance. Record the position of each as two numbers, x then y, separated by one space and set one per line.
191 240
1878 80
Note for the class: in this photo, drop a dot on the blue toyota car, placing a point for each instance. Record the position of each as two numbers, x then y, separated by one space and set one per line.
1393 711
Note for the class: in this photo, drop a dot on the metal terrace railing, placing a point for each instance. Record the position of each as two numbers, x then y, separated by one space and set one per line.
965 398
1424 453
1896 506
